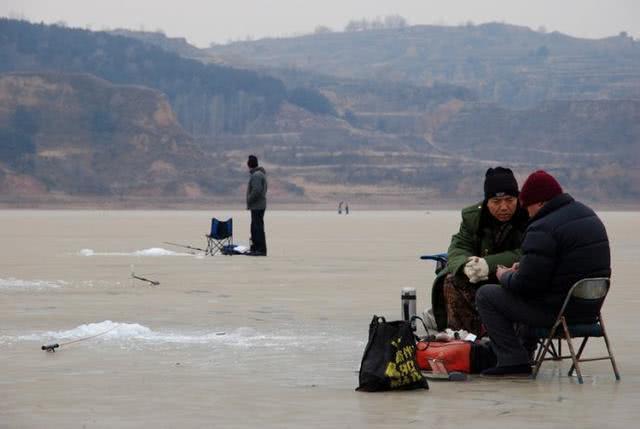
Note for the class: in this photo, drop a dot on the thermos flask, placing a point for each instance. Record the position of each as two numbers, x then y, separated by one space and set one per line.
409 304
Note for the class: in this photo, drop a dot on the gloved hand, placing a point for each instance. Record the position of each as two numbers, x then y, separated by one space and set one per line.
476 269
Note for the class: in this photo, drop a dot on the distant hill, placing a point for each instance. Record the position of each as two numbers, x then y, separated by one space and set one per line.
178 45
510 65
593 145
401 116
552 131
77 134
207 98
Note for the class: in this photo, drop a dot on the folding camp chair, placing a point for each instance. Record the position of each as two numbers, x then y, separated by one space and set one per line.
221 236
440 259
586 292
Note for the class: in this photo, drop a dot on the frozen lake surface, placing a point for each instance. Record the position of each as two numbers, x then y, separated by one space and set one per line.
236 341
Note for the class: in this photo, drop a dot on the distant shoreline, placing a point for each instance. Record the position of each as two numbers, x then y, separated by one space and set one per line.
183 205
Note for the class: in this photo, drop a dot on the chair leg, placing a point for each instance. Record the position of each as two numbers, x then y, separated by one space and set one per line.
545 349
606 341
573 354
229 243
540 357
584 342
217 246
559 354
552 350
539 352
555 355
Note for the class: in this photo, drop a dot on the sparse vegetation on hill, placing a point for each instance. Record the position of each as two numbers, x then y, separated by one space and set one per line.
510 65
411 114
76 134
207 98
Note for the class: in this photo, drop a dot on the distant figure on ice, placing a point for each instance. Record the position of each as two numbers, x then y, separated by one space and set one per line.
257 203
346 209
340 207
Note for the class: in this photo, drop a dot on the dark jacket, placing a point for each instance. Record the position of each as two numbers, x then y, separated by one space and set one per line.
257 189
478 236
564 242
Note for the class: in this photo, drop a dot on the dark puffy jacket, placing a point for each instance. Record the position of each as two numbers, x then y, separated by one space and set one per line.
564 242
257 189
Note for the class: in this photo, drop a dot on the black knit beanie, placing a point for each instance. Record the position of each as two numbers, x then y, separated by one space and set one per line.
499 182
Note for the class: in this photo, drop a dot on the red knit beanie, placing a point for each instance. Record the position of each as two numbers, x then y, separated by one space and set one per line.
540 186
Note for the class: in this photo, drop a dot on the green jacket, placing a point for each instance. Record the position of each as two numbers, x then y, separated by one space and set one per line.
476 237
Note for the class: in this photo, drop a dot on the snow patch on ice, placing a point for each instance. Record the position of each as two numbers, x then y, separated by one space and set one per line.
155 251
135 334
13 283
106 330
152 251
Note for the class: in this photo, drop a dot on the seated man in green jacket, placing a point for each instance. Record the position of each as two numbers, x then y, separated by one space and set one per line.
490 235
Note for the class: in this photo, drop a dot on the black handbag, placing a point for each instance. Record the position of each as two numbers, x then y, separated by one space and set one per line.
389 359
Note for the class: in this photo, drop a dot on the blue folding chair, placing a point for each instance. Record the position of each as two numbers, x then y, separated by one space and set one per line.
220 237
441 260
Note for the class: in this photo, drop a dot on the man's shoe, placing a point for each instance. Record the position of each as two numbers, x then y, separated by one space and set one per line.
510 371
256 253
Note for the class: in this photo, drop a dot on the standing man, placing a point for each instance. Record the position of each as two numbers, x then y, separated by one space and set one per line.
490 234
564 242
257 203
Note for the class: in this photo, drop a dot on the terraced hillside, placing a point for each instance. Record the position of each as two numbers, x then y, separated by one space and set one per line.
510 65
400 117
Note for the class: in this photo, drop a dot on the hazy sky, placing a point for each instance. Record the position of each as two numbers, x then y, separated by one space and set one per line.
202 21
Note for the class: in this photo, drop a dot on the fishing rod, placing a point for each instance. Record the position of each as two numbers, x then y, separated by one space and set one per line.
144 279
184 246
52 347
153 282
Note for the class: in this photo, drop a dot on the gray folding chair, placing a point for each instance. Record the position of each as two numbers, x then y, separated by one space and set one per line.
586 292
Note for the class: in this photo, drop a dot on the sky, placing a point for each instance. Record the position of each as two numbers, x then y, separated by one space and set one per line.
202 22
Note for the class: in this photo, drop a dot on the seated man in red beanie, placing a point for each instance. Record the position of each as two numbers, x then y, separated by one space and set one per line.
565 241
490 234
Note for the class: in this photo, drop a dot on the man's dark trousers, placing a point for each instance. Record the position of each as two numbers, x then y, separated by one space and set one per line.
502 310
258 240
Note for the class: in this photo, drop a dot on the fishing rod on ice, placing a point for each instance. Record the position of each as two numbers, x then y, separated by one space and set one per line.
144 279
184 246
52 347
